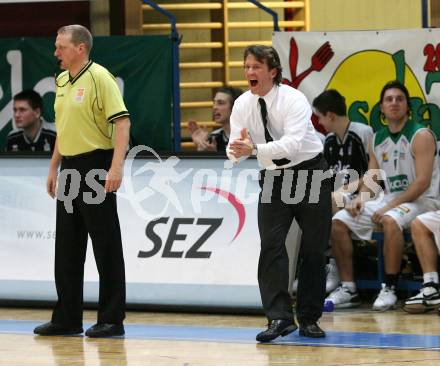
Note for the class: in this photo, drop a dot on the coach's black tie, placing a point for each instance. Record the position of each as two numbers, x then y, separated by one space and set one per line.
267 135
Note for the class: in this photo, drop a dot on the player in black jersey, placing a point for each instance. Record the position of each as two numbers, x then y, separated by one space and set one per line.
346 144
34 134
345 149
218 139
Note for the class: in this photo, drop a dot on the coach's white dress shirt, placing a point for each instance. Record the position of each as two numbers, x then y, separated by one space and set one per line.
289 124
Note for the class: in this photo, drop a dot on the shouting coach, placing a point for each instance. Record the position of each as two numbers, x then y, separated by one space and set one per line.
272 122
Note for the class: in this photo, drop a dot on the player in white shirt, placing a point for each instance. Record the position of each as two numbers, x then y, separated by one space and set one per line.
425 232
406 154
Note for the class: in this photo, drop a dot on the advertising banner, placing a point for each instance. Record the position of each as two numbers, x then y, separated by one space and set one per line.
141 65
359 63
189 229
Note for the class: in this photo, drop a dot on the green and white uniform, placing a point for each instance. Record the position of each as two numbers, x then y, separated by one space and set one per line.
395 156
394 153
432 221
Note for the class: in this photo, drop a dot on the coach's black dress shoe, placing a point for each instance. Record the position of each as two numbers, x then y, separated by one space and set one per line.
276 328
55 329
311 330
104 330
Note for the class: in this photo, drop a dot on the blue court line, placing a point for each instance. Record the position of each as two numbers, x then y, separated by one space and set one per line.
247 335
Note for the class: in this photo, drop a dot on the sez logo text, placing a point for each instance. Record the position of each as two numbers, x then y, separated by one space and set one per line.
177 233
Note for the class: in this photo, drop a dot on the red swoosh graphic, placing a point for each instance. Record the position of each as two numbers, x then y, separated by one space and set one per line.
235 202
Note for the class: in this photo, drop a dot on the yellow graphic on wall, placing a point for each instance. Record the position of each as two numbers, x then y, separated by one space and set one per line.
364 74
361 75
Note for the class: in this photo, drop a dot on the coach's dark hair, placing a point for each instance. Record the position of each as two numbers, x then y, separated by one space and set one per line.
233 93
32 97
330 101
396 84
268 54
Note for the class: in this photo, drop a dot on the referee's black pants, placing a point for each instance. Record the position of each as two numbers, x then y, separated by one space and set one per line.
274 221
101 222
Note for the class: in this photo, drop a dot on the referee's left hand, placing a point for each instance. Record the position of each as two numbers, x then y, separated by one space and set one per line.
113 179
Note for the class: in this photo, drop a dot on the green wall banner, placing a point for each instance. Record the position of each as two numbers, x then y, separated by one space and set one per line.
141 64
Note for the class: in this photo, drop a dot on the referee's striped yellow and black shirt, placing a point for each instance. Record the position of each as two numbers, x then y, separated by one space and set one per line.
85 107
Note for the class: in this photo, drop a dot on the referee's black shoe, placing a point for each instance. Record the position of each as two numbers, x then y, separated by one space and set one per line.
276 328
104 330
56 329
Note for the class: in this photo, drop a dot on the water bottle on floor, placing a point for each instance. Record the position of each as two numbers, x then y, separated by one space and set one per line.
328 306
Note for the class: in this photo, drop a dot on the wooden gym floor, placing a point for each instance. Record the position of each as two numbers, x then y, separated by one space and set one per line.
355 337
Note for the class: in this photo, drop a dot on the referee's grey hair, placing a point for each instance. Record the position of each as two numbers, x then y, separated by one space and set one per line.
79 34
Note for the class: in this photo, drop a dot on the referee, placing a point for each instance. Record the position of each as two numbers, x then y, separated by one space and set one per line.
93 133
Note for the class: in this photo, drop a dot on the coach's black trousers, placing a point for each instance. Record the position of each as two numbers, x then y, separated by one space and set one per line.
101 222
275 216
